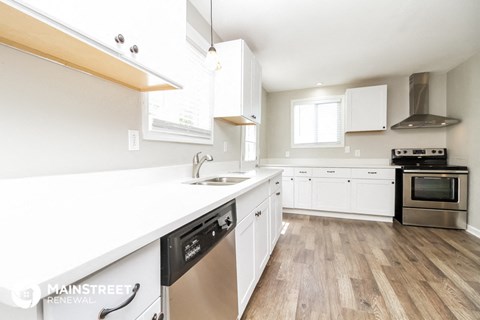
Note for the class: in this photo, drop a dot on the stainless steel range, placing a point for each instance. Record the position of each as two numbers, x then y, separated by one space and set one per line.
433 193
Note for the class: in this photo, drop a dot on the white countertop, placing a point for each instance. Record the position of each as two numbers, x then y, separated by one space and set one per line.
353 166
61 237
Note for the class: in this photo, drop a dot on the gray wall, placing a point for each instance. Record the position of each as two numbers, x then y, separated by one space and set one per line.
463 102
55 120
372 145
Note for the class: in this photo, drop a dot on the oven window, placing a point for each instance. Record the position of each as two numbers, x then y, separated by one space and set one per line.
435 189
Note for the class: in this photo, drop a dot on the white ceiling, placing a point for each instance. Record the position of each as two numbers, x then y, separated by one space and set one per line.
302 42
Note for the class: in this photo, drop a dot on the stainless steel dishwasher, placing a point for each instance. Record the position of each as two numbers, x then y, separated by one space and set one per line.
199 276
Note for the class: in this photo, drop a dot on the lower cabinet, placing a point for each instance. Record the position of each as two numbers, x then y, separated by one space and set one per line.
135 277
303 193
245 247
331 194
276 217
375 197
288 192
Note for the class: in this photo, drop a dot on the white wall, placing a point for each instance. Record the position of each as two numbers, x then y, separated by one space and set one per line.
55 120
463 102
372 145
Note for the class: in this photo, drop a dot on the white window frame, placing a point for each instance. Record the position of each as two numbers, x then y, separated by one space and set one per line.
341 142
198 42
249 165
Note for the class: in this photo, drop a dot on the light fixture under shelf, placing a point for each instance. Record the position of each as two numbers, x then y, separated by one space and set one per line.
34 33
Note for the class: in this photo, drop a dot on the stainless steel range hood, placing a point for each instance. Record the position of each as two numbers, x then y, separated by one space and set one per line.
419 116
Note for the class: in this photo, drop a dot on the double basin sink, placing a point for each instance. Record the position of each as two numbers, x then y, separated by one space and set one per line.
219 181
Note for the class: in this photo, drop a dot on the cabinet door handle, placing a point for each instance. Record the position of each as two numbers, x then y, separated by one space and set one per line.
393 182
254 116
330 171
134 49
348 181
120 38
278 182
278 193
291 179
258 213
309 179
104 312
302 171
372 172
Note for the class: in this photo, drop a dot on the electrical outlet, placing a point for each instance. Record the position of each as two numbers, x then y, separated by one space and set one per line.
225 146
133 140
357 153
287 154
347 149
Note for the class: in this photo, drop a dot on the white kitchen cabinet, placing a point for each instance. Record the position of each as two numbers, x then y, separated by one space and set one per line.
303 192
262 239
118 279
237 84
331 194
288 189
366 109
373 191
245 254
275 223
156 29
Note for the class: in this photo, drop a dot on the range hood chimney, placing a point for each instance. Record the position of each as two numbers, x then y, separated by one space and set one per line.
419 116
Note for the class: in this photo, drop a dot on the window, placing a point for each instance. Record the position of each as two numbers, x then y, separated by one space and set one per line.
184 115
317 123
250 148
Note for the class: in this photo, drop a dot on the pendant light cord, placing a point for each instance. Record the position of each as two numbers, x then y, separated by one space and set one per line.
211 24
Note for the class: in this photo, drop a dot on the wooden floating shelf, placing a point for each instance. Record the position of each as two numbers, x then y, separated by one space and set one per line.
43 37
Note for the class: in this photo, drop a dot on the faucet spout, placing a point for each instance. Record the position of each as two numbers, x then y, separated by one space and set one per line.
197 164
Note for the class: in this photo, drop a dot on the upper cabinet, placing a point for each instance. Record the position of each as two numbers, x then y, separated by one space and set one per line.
138 44
238 84
366 109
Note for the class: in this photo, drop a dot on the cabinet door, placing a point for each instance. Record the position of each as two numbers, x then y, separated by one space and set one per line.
248 69
245 250
375 197
256 91
275 225
288 192
262 242
303 193
331 194
366 108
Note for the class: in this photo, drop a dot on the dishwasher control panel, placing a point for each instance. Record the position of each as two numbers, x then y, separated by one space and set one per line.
191 249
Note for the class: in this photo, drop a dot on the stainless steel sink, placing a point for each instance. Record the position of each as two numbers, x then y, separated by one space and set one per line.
219 181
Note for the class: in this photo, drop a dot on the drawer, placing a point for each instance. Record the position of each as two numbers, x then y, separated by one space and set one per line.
332 172
250 200
373 173
288 172
275 183
154 309
303 172
110 287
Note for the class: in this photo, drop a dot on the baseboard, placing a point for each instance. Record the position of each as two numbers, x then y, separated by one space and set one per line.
474 231
340 215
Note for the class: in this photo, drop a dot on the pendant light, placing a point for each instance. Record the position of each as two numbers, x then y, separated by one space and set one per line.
212 62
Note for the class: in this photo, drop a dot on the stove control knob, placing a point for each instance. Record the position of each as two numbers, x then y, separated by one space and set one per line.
404 151
440 151
435 151
399 151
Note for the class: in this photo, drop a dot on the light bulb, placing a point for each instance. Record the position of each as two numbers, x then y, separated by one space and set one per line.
212 62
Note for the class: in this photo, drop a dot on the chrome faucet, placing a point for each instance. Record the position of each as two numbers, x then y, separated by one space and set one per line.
197 163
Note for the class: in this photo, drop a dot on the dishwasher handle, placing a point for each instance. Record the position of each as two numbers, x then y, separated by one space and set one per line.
226 221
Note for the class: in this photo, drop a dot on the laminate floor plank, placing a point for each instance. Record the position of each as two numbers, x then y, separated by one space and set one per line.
326 268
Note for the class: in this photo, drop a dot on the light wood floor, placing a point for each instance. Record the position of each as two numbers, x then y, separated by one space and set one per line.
324 268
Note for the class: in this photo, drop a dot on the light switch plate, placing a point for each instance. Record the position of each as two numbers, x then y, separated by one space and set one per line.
357 153
225 146
133 140
287 154
347 149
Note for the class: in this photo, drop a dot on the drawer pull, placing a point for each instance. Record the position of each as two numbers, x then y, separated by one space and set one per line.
258 213
291 179
104 312
372 172
278 193
330 171
302 171
278 182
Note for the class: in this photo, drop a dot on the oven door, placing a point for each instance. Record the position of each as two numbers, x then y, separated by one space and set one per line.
441 190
